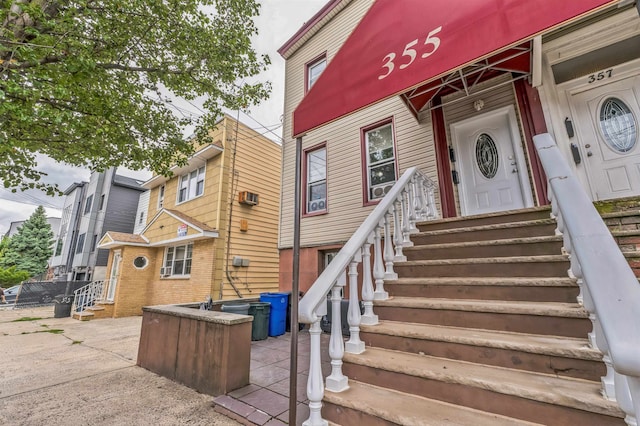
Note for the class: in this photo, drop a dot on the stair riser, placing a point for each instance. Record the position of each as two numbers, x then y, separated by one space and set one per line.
503 250
487 220
348 416
485 234
520 323
477 398
509 358
486 292
504 270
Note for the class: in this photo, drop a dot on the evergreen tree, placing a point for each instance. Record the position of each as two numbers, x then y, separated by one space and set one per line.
4 244
30 249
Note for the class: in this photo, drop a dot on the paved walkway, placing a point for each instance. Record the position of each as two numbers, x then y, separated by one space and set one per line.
60 371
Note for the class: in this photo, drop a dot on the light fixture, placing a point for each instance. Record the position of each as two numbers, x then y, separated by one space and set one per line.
478 105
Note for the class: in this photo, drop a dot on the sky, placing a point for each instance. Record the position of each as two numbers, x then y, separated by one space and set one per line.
278 21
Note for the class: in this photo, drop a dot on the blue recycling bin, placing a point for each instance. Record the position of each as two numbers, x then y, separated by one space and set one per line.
278 315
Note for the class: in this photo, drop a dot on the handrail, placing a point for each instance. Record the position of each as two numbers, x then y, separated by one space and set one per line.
88 295
387 229
609 289
317 294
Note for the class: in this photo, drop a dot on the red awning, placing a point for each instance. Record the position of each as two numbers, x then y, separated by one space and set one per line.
402 44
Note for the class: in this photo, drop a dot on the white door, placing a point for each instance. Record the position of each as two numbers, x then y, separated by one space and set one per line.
113 277
606 121
491 167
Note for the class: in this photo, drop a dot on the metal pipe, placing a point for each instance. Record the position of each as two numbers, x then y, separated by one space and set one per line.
293 363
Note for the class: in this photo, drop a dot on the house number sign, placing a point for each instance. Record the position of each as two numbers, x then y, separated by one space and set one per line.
601 75
432 44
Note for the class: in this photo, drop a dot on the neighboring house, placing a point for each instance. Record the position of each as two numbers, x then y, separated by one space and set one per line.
54 222
464 113
210 230
107 202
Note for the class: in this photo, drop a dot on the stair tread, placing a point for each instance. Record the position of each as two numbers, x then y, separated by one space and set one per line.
496 281
503 213
533 343
481 243
485 260
557 309
406 409
505 225
568 392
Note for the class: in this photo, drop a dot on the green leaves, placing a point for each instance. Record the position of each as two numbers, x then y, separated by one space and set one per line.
29 249
86 81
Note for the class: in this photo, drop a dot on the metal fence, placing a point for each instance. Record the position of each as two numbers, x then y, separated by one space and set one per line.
38 293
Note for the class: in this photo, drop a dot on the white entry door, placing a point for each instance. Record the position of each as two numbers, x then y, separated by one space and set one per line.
490 163
606 119
113 277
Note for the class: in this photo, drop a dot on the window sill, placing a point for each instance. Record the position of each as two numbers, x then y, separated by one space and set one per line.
318 213
190 199
176 277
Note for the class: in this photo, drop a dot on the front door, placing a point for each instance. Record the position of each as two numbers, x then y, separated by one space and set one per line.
607 129
491 167
113 277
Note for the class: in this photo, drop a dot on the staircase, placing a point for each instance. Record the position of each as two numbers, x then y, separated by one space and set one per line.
482 327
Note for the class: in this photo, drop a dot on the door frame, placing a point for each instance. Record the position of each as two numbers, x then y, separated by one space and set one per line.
110 294
518 152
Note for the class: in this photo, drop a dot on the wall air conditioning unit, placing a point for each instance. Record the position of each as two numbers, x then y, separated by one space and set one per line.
381 191
249 198
317 205
165 271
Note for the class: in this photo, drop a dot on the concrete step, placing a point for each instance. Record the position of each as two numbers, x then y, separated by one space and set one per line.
532 246
562 356
515 266
501 231
522 215
361 405
83 316
534 397
532 289
551 318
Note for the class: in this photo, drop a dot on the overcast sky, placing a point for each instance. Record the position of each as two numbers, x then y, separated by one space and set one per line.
278 21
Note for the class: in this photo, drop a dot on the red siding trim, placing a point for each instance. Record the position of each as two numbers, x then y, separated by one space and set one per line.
533 123
445 182
308 25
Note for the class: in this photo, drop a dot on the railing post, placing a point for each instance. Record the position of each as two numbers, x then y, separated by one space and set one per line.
388 247
411 208
433 211
420 204
337 382
368 318
398 237
315 387
378 266
354 345
624 397
406 220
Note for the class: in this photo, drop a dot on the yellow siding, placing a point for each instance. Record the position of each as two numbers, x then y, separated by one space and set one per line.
414 143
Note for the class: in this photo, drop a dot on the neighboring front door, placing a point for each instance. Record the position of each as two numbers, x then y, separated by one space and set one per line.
607 129
490 165
113 277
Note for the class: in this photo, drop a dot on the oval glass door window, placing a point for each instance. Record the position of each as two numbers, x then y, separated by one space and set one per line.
618 125
487 156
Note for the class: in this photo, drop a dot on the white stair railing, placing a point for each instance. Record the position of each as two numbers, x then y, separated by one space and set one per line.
87 296
387 229
609 290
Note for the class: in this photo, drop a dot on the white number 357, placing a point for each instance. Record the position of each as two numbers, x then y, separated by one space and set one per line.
410 54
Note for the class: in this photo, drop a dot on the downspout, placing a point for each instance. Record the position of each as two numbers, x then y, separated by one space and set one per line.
231 198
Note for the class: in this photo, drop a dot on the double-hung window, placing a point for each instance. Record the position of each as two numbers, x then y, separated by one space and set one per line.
314 69
191 185
177 261
380 160
80 243
88 203
316 180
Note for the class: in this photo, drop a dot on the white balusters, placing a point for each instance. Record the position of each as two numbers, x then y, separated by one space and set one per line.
337 382
405 202
388 249
368 318
411 208
354 345
315 386
624 397
419 201
398 235
378 265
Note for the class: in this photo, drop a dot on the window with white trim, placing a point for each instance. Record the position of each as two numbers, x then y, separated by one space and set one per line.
88 203
177 261
316 180
380 160
191 185
161 197
314 69
80 243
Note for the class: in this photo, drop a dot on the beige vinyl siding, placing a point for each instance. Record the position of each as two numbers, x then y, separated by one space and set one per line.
258 166
458 107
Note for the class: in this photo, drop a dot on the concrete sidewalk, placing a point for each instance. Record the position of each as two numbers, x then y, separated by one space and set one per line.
60 371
